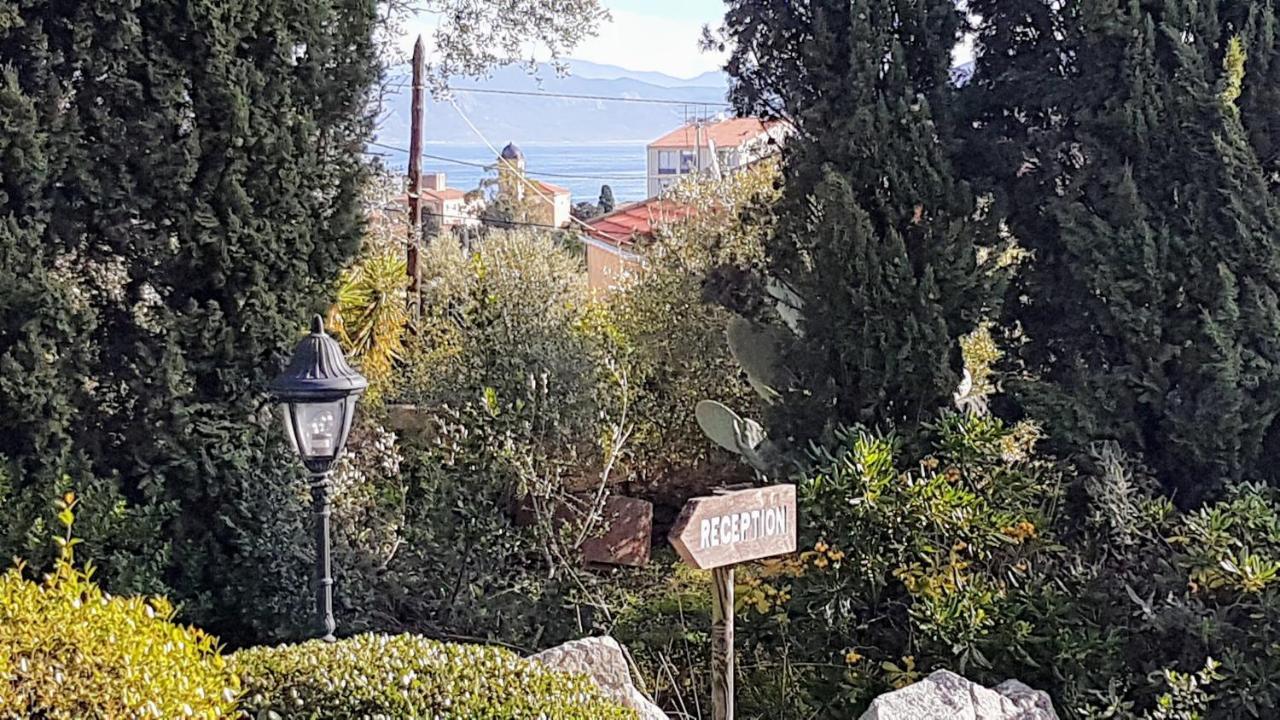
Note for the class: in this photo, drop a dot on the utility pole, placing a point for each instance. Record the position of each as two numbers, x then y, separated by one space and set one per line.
412 263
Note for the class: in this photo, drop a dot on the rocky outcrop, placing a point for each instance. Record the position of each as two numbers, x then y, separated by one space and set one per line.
603 660
947 696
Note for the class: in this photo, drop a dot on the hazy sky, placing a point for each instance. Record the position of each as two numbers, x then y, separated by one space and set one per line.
659 35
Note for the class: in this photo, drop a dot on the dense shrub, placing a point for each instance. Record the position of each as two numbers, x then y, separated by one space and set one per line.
186 199
516 397
1143 597
674 335
907 565
406 676
986 558
68 651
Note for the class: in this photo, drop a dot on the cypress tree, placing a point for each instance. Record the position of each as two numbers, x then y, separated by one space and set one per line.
875 240
42 362
200 186
605 204
1149 306
1258 25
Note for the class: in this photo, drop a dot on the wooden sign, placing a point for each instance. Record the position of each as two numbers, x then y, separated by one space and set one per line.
736 527
718 532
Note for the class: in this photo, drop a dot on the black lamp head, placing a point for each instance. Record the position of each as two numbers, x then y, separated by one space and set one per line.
317 371
318 390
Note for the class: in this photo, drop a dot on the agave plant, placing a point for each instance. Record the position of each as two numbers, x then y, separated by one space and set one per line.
370 316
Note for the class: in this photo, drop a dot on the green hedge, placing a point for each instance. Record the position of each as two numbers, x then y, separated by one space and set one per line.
70 651
407 676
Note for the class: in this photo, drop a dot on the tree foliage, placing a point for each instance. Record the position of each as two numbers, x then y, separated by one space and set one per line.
473 37
181 190
1125 157
675 335
875 239
605 203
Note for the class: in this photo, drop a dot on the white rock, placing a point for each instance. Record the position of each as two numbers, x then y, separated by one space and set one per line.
1035 704
947 696
603 660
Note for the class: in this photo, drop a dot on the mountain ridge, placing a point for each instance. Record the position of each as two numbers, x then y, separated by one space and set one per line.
523 118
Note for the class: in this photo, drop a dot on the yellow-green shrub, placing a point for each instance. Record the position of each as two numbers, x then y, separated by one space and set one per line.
408 676
70 651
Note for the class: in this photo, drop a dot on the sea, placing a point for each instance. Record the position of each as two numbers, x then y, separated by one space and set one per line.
581 168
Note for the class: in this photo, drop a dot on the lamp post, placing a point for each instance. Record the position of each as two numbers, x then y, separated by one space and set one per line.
318 392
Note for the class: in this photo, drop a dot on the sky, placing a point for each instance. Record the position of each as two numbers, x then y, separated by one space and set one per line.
660 35
657 35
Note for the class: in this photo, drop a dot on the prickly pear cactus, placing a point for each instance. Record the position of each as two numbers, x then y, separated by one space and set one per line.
759 350
734 433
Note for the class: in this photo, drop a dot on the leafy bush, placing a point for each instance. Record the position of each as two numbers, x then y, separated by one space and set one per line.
407 676
674 337
986 558
1149 612
68 651
904 568
515 393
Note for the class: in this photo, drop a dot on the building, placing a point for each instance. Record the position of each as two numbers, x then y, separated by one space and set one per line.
710 146
449 207
612 239
542 202
553 204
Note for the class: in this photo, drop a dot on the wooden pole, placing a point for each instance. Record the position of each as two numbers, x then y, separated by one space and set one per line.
722 670
415 184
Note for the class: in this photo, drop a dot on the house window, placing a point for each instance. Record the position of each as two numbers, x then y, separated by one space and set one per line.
688 161
667 162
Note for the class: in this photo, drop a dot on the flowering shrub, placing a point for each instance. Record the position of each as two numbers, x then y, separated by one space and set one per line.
406 676
902 569
69 651
987 558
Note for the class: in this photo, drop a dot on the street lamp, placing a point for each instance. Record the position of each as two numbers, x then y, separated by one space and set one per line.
318 392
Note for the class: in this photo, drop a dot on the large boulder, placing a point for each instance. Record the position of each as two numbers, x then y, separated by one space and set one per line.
604 661
947 696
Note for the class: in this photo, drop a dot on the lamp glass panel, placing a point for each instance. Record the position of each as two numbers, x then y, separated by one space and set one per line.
320 427
286 414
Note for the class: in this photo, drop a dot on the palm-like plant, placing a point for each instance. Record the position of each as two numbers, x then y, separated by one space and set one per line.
370 315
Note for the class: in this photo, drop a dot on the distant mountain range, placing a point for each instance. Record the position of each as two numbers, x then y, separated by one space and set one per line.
525 119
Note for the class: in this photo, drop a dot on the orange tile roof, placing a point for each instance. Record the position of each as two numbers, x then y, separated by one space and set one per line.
445 194
636 220
726 133
550 188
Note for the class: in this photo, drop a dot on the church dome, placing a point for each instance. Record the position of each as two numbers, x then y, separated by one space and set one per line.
512 152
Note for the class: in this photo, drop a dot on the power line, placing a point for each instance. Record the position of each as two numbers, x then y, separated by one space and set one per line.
485 166
607 98
520 175
575 96
494 222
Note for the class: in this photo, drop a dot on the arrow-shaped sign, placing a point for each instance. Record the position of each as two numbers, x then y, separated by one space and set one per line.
736 527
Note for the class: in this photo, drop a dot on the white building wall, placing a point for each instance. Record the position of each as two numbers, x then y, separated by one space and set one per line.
732 158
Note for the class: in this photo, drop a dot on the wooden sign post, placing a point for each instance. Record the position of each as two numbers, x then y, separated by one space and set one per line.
717 532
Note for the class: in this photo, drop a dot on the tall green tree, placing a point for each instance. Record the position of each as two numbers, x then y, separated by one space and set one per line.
1119 151
194 181
605 204
875 244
